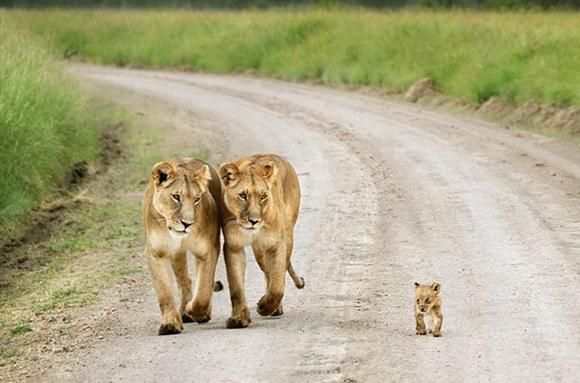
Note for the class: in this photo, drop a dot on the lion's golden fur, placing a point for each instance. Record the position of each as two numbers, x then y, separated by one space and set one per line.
428 302
182 212
261 197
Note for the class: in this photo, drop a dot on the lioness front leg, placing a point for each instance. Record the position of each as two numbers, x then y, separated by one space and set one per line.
236 270
275 263
420 324
170 318
179 264
260 255
199 309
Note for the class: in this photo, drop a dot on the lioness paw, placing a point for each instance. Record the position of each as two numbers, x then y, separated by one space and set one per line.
421 332
199 314
279 311
169 329
436 334
237 322
186 318
265 310
202 319
268 305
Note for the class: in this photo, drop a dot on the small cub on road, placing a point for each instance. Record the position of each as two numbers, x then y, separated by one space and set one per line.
428 301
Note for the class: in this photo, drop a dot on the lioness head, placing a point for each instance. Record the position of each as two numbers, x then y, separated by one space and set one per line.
179 189
426 296
248 190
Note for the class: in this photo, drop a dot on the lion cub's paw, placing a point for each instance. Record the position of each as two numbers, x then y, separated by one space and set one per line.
170 329
421 332
436 334
238 322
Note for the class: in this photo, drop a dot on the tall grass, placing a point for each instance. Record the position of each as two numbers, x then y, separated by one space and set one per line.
44 126
472 55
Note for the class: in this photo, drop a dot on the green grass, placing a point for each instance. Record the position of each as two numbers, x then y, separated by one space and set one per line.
7 353
45 125
518 56
100 228
21 328
74 296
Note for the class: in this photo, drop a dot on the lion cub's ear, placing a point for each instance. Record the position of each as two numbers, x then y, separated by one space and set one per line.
436 287
229 173
417 284
163 174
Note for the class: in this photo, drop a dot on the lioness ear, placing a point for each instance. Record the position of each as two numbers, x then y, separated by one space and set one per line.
202 175
267 170
417 285
436 287
228 172
163 174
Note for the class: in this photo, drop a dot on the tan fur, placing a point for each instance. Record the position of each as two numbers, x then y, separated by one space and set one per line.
428 301
262 199
179 193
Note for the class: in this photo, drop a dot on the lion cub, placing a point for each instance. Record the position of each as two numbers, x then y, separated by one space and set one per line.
428 301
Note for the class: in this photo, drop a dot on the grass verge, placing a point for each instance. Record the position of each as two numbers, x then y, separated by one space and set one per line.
517 56
45 126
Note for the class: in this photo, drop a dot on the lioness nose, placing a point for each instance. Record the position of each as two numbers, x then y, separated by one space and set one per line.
185 224
253 221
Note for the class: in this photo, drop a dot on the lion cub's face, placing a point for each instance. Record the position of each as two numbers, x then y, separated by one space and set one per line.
179 188
247 191
427 297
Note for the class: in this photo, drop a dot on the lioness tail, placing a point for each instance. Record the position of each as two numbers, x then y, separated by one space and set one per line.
218 286
298 281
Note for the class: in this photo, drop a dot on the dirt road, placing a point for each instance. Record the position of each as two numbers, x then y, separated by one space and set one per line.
392 194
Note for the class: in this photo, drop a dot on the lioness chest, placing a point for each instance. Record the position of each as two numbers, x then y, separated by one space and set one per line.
172 244
261 237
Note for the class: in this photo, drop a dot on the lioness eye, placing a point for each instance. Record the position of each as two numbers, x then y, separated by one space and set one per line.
243 196
264 197
175 197
196 200
427 301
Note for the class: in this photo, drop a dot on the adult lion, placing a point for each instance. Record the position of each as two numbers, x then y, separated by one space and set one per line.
181 213
262 198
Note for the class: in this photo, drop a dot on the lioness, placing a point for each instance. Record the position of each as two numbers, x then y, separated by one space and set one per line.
181 213
262 197
428 301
